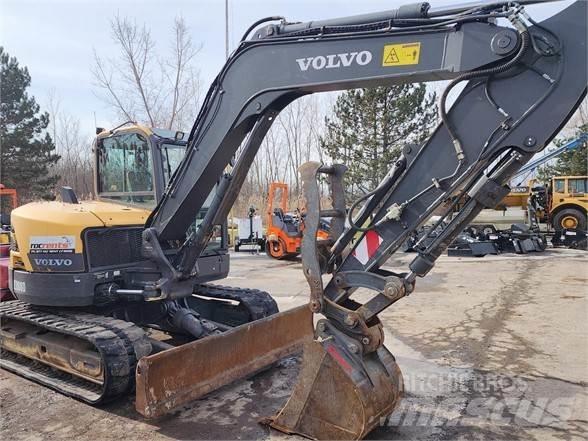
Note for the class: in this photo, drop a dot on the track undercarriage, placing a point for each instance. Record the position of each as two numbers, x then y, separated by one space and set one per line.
91 353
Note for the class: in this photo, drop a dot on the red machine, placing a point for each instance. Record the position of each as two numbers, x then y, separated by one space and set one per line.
10 193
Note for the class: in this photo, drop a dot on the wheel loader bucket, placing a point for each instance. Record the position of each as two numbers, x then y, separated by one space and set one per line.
177 376
340 396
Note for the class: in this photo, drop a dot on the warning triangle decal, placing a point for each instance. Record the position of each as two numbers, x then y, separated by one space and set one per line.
392 57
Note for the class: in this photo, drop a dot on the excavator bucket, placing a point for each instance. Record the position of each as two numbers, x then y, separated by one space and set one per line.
177 376
340 395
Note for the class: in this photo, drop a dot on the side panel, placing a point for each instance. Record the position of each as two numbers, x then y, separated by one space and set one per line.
49 289
54 289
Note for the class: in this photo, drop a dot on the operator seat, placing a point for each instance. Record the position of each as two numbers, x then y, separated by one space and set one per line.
285 222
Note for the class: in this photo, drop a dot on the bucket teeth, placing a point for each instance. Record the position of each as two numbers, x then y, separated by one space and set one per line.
339 395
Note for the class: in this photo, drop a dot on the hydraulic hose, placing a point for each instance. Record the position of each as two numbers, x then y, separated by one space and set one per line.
354 206
525 42
258 22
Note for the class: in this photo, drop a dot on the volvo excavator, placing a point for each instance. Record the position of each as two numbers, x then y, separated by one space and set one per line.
116 293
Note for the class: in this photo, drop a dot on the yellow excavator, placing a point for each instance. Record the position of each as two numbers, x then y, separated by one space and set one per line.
115 293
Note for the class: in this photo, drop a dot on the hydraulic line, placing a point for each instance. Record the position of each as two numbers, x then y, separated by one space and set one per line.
258 22
389 25
525 41
354 206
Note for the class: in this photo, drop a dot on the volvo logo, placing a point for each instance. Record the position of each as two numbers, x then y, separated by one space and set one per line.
335 60
53 262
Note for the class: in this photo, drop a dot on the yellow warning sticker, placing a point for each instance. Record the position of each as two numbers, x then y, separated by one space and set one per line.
401 54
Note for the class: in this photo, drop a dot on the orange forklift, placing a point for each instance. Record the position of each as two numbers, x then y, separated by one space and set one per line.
285 229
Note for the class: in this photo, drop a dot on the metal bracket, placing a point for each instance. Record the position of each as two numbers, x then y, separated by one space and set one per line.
487 192
315 254
390 289
169 285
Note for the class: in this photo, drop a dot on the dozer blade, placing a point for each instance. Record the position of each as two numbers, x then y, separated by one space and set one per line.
340 395
177 376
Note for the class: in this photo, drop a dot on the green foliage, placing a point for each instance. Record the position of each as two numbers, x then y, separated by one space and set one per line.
570 163
27 150
371 126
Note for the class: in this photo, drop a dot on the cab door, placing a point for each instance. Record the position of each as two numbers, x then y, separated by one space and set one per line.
125 169
559 188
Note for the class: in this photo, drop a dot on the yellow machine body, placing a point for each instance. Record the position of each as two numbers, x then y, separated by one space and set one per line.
59 219
567 201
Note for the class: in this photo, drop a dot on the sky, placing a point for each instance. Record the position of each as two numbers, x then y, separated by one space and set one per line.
55 39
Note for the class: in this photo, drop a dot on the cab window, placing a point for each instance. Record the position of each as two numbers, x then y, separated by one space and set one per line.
125 170
577 186
172 156
217 239
559 186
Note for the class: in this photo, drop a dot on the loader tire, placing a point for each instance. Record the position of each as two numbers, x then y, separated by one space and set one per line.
570 218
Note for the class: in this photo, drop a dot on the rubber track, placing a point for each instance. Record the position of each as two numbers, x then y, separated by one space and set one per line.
119 343
259 303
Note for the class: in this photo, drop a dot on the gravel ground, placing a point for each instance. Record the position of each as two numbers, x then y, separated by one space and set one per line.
491 348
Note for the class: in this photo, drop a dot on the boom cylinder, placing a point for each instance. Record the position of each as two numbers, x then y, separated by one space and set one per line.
414 10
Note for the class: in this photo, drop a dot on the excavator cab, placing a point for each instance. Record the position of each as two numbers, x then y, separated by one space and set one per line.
133 166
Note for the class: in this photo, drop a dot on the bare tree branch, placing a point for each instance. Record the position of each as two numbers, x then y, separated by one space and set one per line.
104 81
75 167
157 89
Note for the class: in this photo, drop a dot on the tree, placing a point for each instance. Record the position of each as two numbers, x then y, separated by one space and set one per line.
75 167
292 141
370 126
570 163
141 86
300 130
27 150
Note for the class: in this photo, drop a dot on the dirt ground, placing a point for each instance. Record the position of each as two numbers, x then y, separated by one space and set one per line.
490 348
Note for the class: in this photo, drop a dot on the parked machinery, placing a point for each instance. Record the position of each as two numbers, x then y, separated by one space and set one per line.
284 228
567 202
250 235
562 203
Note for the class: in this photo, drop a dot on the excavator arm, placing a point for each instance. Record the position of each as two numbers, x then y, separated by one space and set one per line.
279 65
522 81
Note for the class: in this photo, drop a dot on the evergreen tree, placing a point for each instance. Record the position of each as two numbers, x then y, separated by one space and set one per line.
371 126
27 150
570 163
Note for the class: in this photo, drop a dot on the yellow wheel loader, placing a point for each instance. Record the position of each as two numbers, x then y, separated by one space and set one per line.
117 291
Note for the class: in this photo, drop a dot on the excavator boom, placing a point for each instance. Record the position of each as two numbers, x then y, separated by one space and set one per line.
522 81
